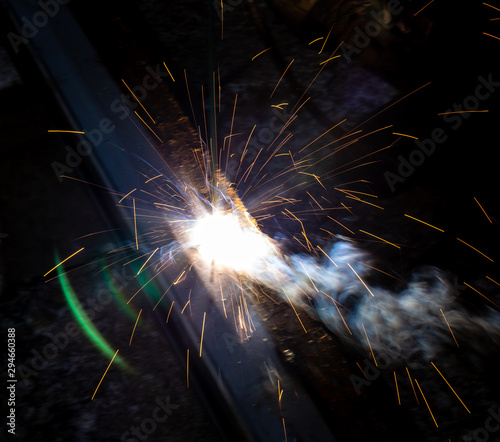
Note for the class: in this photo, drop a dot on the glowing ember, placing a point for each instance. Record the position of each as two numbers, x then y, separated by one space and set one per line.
222 239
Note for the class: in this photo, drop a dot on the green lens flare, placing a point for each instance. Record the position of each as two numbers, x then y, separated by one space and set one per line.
84 321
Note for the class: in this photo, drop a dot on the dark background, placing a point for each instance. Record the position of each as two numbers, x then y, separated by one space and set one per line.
444 45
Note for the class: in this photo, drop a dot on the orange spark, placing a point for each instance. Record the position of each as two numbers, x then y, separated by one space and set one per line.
397 389
315 40
429 408
260 53
147 125
489 35
420 10
140 104
169 73
296 314
449 327
483 210
493 7
328 256
447 383
135 226
281 78
202 332
479 293
135 325
184 308
67 131
359 277
473 248
187 368
104 374
63 261
338 222
326 39
370 345
381 239
405 135
492 280
170 310
133 190
423 222
463 112
412 387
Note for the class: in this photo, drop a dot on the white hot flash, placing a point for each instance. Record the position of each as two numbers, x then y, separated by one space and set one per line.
226 241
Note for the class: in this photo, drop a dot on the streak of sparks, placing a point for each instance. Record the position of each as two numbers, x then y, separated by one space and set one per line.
66 131
135 325
326 39
421 9
187 368
338 222
328 256
479 293
139 101
392 104
296 314
147 260
492 280
341 317
169 311
260 53
489 35
169 73
484 211
279 106
447 383
412 387
362 282
135 226
104 374
473 248
284 428
281 78
202 332
355 198
370 345
429 408
63 261
423 222
148 126
493 7
464 112
357 363
451 331
329 59
184 308
397 389
381 239
405 135
133 190
315 40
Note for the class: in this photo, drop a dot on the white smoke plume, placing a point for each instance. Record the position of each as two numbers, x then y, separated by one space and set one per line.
412 324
